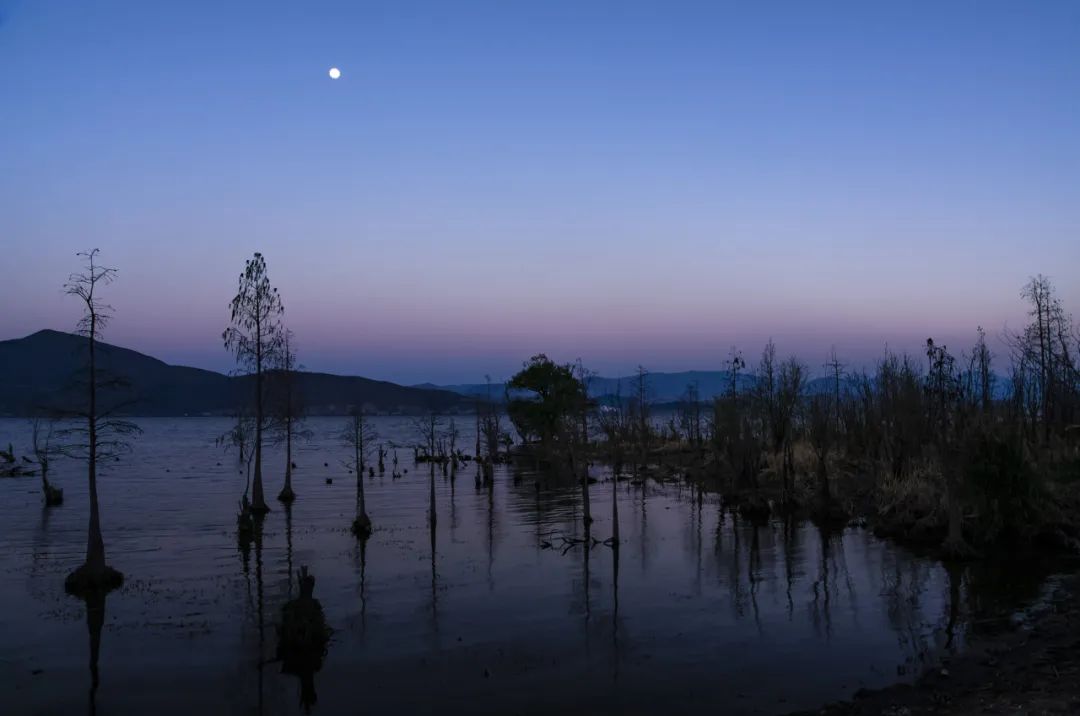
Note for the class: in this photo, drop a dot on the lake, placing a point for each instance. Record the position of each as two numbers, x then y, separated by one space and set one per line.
698 609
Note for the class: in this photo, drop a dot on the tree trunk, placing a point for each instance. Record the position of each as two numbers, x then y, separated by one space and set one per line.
431 501
360 491
587 508
287 494
615 511
956 517
95 545
362 523
258 501
823 482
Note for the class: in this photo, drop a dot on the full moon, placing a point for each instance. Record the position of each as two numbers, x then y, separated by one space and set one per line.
334 73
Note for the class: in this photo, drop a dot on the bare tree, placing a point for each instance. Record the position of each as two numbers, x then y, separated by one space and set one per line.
255 338
837 369
791 384
359 435
584 378
44 450
238 436
945 416
821 430
491 427
101 436
778 392
429 429
689 415
641 401
287 409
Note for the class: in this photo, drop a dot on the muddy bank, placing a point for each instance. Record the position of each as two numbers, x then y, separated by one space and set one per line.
1032 670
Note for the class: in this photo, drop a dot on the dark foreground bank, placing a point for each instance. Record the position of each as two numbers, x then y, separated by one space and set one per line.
1032 670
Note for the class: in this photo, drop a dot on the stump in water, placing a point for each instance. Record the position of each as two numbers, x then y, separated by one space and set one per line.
90 580
361 526
245 521
303 637
53 496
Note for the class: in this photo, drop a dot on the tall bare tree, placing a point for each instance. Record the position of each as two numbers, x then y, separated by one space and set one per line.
255 337
359 435
585 404
97 435
946 420
287 408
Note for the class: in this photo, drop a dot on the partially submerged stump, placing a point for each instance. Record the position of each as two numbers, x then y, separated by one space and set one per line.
361 526
245 522
303 637
53 496
87 580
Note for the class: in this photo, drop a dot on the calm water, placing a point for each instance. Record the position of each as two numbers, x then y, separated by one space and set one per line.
697 610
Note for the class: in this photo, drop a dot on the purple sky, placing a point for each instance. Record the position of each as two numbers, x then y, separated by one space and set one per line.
622 182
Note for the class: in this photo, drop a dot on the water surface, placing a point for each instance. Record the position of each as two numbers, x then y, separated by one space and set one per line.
488 613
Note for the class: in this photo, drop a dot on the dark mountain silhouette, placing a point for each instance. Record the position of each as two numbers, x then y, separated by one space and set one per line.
39 373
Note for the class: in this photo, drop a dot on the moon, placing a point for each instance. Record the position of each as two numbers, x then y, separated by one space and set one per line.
334 73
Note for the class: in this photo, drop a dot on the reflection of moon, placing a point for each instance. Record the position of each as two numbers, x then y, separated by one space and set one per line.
334 73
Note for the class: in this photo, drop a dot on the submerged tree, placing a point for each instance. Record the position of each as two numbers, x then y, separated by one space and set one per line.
255 338
584 407
288 412
44 450
359 435
98 435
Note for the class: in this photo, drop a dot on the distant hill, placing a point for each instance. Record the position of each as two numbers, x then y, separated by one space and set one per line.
37 372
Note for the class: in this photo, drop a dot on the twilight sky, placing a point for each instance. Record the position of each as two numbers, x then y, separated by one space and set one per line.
625 182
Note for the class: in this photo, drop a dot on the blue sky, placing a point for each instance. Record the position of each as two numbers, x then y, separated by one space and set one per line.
625 182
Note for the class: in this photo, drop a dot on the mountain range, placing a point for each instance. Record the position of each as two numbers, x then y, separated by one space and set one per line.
37 374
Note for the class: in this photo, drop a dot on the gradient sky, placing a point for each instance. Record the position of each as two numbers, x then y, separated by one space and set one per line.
625 182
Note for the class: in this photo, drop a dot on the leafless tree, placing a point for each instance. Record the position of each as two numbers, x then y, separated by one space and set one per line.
490 426
429 429
255 337
837 369
287 410
946 420
98 434
641 401
821 429
359 435
689 415
238 436
41 432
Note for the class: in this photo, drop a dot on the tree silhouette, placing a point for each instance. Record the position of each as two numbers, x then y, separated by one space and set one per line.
359 435
549 414
97 435
255 338
287 409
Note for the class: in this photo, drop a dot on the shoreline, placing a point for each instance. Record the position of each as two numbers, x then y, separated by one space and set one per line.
1031 669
